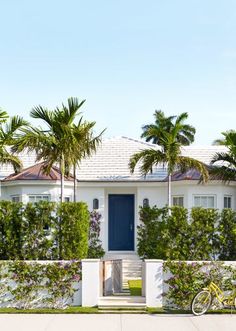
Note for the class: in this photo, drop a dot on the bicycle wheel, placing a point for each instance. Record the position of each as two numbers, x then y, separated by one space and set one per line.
201 302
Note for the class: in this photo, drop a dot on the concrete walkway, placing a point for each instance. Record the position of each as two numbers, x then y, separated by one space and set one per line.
116 322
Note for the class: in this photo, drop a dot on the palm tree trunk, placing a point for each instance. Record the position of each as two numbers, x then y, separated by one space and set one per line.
75 181
62 176
169 192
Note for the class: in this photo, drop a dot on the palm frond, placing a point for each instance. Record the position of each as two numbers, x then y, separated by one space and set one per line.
181 118
7 158
224 157
71 111
186 163
32 139
15 123
3 116
223 173
42 113
147 158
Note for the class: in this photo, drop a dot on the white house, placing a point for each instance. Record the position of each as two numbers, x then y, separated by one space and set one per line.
105 183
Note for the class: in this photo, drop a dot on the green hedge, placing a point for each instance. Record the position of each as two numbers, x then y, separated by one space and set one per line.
204 234
43 231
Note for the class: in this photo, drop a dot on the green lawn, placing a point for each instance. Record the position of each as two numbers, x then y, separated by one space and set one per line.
94 310
135 287
154 310
69 310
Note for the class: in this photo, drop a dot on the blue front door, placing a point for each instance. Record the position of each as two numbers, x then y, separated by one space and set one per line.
121 222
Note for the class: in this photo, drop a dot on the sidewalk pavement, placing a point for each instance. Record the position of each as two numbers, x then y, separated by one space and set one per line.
116 322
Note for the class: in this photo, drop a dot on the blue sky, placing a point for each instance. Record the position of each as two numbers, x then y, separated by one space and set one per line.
125 57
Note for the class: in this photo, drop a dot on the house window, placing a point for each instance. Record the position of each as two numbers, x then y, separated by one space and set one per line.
178 201
205 201
66 199
15 198
227 201
145 202
95 204
36 198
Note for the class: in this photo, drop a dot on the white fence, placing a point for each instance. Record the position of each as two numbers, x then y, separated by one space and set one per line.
32 290
153 279
90 289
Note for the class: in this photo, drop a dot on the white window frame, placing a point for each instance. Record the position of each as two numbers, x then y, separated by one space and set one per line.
39 195
66 197
205 196
177 197
227 196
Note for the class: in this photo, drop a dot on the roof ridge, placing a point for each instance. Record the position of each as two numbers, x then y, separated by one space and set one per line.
132 139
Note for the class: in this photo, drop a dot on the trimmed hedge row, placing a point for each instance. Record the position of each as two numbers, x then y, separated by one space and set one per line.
45 231
204 234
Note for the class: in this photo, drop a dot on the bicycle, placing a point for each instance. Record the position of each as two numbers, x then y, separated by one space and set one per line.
203 300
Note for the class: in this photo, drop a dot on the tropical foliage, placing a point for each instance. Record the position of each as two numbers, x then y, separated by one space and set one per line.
225 162
63 142
8 130
204 234
153 132
169 133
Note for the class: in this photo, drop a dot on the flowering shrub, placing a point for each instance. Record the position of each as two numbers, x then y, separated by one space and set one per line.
187 278
95 249
31 284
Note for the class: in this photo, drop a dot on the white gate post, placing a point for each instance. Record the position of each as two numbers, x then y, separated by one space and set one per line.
154 283
91 283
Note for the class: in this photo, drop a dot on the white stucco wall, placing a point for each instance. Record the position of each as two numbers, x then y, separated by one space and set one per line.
216 189
25 189
158 195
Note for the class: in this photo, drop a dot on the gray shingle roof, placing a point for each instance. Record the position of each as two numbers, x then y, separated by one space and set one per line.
110 163
112 158
202 153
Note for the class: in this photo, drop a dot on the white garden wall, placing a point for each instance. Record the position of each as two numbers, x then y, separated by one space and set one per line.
154 281
7 300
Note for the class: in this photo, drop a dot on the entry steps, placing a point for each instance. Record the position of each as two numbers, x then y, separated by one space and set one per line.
131 269
122 303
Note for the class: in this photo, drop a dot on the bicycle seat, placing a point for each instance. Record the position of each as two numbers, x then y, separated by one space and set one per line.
233 282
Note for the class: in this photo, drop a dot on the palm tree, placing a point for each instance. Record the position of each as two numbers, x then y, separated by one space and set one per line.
8 133
83 143
170 133
153 132
63 141
226 171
